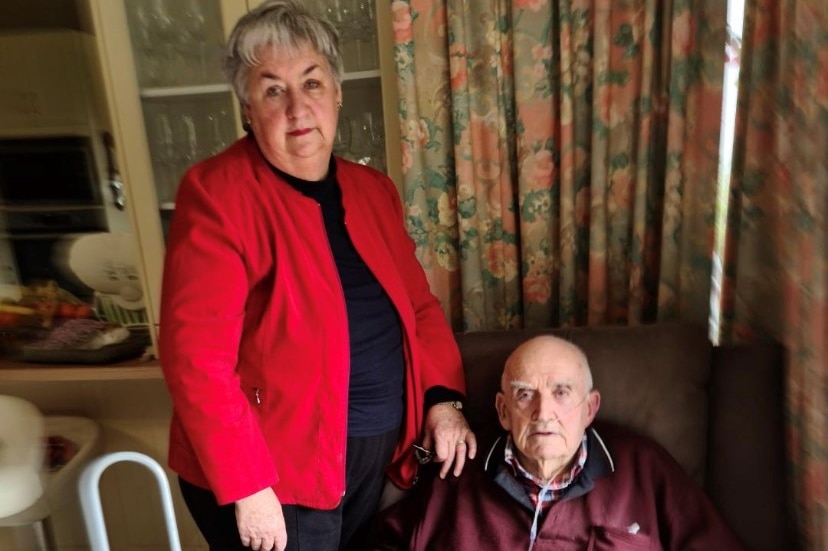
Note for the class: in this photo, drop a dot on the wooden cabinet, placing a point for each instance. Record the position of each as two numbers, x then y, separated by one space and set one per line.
50 84
170 107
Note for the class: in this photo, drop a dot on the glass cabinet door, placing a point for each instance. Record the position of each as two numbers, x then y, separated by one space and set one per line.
187 107
368 128
361 135
171 106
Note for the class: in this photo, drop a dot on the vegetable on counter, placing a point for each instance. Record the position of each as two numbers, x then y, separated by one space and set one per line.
40 304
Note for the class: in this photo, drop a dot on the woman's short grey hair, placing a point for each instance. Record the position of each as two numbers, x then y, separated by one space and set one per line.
283 25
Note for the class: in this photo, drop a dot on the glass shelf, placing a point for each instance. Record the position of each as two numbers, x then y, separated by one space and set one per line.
195 90
361 75
188 110
49 208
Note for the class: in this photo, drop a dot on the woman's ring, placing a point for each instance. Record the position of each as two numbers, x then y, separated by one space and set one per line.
461 442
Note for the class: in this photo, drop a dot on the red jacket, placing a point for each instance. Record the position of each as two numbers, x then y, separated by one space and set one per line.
253 331
631 496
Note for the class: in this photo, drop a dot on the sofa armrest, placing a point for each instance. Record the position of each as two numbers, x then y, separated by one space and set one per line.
746 461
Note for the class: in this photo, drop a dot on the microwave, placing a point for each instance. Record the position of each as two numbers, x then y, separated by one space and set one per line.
50 194
50 172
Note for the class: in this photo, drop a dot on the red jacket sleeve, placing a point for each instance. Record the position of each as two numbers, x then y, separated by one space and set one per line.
202 314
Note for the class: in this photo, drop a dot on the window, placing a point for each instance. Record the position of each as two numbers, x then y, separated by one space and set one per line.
730 92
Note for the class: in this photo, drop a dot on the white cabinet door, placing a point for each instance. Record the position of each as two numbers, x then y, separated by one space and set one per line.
47 85
59 75
16 97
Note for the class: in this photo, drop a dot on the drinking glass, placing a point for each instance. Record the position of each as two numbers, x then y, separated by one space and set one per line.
342 14
163 149
364 141
191 42
188 141
148 59
161 31
342 140
217 121
365 35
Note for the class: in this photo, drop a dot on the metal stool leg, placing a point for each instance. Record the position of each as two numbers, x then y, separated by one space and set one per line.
91 500
44 535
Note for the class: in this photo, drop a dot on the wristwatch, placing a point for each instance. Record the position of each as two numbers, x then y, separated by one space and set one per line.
456 404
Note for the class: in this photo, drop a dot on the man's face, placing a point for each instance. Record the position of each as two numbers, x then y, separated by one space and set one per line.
546 404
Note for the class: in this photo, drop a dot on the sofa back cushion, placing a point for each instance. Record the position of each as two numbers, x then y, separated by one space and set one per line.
652 378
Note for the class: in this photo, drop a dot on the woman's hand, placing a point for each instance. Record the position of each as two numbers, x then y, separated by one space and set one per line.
261 522
449 435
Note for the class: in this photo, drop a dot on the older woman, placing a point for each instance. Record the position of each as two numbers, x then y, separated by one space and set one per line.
300 342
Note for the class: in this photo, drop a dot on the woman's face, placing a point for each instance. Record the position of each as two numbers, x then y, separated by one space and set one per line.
292 107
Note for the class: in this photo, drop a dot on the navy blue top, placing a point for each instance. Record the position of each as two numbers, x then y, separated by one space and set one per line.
377 380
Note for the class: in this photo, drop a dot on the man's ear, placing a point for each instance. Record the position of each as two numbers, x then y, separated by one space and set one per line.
502 411
593 405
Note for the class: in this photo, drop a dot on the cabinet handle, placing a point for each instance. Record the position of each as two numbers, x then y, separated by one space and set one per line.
116 186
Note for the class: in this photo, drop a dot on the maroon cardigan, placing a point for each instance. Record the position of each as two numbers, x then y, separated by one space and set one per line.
629 484
254 337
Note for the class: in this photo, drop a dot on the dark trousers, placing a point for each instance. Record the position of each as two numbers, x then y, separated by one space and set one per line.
308 529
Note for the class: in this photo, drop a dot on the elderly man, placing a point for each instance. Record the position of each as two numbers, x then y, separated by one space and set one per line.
553 481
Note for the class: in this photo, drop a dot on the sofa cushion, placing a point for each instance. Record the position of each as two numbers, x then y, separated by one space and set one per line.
652 378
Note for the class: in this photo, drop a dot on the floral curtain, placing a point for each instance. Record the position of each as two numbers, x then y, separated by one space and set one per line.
777 244
560 156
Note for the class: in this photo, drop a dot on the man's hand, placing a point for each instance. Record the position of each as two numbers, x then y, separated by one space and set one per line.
449 435
261 522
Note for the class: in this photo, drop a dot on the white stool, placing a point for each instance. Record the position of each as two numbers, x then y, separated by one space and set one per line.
29 493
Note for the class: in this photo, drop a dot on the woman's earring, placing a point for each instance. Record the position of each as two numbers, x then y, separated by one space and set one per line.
339 105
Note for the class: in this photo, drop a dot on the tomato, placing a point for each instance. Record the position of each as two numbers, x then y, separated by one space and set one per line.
8 319
83 311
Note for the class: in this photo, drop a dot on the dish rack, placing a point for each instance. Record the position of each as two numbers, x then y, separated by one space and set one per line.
107 309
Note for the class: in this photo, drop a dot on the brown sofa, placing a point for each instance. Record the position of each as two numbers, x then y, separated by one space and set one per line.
718 410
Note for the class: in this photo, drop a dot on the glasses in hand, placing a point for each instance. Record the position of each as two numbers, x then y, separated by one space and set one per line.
422 455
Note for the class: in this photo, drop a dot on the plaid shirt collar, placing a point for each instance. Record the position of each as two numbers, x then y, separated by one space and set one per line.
535 487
